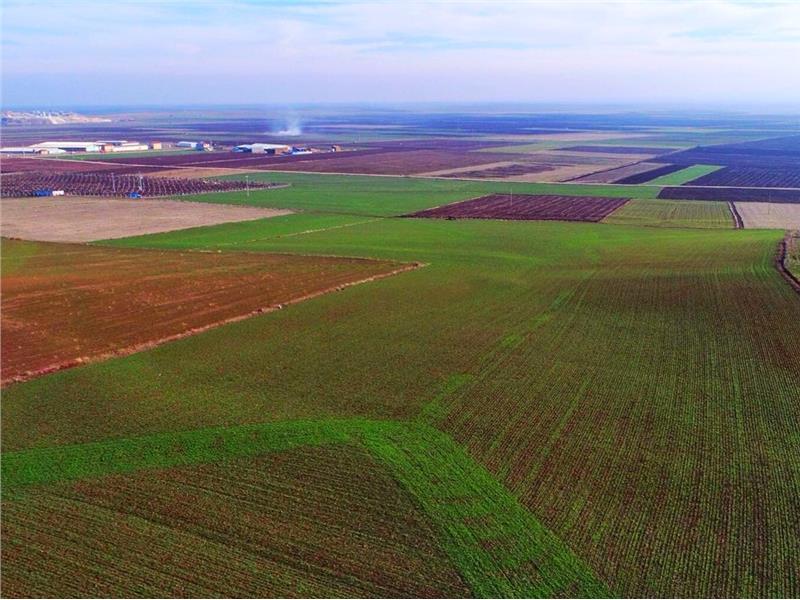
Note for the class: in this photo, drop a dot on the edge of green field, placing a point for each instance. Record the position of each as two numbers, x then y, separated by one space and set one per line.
497 545
684 175
700 214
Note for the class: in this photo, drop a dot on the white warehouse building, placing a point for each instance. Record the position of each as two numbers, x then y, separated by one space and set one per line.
70 146
263 148
30 150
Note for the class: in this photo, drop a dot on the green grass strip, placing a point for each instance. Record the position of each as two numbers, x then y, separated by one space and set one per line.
59 463
499 547
684 175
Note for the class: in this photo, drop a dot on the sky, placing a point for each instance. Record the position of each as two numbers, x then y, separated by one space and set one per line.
117 52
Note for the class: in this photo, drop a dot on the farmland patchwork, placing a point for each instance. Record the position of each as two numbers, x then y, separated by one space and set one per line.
546 409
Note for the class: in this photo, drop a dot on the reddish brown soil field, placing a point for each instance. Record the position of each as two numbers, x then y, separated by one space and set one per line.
47 165
619 174
527 208
500 172
393 163
433 144
234 159
64 304
105 183
324 522
731 194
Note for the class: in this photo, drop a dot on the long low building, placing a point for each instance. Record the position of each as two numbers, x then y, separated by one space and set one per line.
121 146
98 146
264 148
195 145
70 146
30 150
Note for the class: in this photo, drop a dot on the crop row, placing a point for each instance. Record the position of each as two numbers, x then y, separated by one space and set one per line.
637 388
673 213
105 183
48 166
325 521
472 534
752 177
732 194
527 208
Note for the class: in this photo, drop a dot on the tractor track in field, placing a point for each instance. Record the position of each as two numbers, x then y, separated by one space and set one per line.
133 349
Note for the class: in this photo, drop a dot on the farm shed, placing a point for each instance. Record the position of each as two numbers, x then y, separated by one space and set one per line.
193 145
263 148
70 146
30 150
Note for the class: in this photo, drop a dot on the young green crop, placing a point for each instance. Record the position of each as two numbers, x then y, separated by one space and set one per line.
673 213
468 508
635 388
684 175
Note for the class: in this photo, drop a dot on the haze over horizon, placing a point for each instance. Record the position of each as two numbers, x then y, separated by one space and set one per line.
244 52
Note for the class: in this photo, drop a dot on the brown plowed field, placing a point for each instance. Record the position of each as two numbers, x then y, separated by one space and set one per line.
501 172
65 304
50 165
411 162
226 159
527 208
104 183
615 175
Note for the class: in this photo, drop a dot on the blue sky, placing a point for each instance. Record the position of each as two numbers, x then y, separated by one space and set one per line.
88 52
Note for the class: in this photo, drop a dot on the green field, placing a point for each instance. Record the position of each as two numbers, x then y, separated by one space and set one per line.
247 233
322 521
389 196
571 405
673 213
465 504
684 175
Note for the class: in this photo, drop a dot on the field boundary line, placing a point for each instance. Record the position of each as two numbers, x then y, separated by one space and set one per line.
275 237
53 464
738 222
128 350
307 231
780 263
500 548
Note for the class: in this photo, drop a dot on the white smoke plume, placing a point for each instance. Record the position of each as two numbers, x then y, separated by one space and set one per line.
292 127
